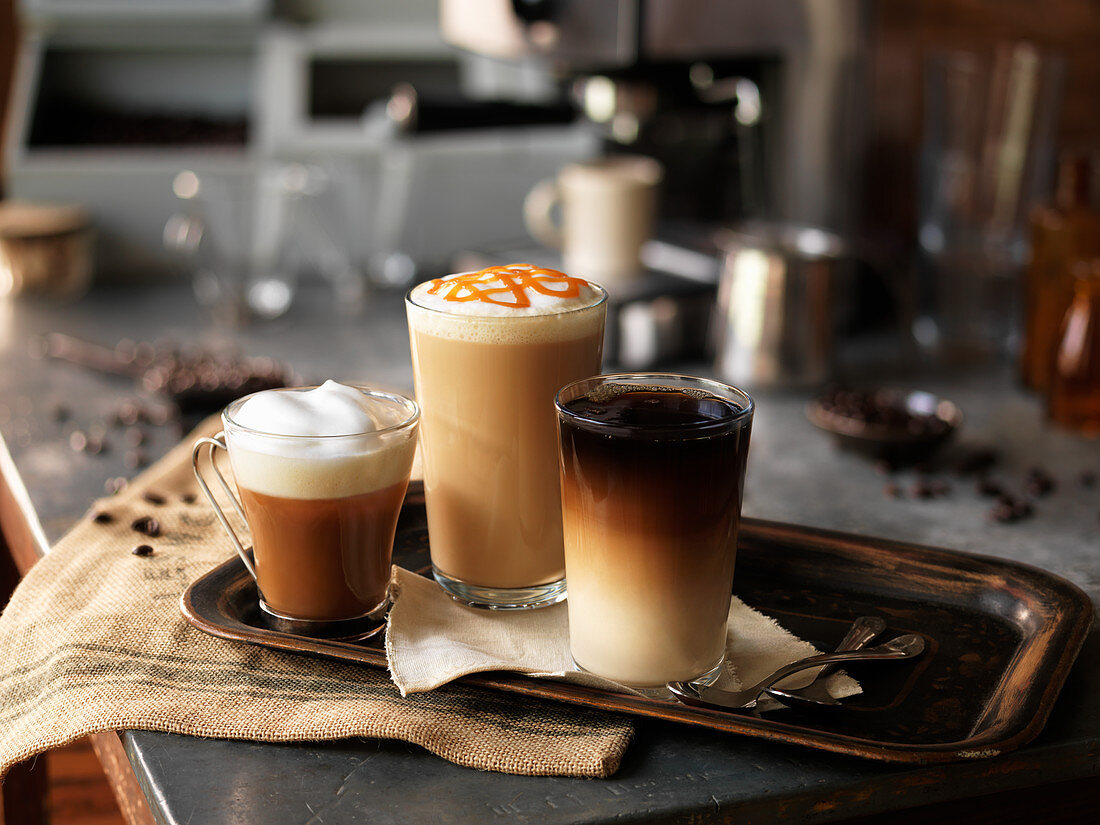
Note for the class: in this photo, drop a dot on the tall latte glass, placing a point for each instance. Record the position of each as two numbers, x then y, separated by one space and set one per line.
321 473
652 471
490 351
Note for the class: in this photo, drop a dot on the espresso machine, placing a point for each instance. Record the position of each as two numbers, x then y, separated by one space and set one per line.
752 107
753 110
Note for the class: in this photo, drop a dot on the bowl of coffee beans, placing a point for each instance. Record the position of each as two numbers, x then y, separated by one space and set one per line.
894 425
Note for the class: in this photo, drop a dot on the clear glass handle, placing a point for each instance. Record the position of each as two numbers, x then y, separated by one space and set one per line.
212 445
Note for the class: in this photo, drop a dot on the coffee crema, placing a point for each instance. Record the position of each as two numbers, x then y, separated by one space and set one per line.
651 485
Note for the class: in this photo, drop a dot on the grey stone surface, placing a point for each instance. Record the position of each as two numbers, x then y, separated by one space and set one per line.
671 773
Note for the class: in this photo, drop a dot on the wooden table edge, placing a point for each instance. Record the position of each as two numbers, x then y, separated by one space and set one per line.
25 541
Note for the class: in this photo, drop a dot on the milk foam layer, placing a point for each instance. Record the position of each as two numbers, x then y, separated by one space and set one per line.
320 443
548 317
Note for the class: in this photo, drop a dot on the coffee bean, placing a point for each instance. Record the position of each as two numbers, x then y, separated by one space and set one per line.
135 437
135 459
147 525
115 485
1009 509
102 517
976 461
987 487
154 498
922 489
892 491
1039 483
128 414
939 487
142 550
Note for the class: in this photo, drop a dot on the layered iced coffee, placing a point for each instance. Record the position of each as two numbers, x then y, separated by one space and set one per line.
490 351
652 471
321 474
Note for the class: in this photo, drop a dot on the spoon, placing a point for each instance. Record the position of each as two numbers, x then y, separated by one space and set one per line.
862 631
903 647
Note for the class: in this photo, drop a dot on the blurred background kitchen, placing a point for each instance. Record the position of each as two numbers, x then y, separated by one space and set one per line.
844 188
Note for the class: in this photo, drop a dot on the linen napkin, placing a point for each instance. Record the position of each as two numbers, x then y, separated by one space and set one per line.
432 639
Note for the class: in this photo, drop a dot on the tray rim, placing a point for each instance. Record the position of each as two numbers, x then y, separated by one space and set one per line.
1001 737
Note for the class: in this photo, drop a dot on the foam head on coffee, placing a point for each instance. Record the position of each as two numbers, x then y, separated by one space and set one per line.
513 304
319 443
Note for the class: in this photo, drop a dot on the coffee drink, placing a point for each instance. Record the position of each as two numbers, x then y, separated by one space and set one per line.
490 350
322 474
652 471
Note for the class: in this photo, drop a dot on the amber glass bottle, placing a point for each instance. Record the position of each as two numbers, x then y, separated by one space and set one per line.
1074 392
1060 234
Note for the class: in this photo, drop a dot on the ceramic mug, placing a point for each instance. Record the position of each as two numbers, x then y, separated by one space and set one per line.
607 210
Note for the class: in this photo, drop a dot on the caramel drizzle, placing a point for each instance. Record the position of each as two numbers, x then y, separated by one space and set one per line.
514 280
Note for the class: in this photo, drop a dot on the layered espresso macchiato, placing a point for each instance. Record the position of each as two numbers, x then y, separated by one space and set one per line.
652 469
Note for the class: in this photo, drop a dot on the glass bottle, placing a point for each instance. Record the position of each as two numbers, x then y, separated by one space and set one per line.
1073 399
1066 231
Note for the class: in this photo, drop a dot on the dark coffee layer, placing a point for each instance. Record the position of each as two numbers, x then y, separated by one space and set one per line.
648 412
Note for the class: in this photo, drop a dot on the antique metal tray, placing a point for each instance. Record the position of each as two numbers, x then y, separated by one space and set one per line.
1001 639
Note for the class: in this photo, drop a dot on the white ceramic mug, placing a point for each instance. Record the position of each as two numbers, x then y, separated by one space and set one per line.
607 210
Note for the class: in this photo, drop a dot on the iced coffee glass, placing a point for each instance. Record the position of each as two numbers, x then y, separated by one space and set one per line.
490 350
652 472
321 474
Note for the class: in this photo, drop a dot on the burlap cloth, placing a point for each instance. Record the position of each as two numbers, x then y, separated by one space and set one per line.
93 640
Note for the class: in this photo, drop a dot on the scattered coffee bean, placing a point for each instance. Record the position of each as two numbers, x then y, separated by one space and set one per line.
154 497
1009 509
142 550
921 489
136 437
892 491
115 485
147 525
988 487
1039 483
188 498
102 517
159 416
1087 479
135 459
128 414
976 461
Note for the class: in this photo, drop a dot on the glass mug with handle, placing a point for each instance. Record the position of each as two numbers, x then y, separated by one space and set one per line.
321 474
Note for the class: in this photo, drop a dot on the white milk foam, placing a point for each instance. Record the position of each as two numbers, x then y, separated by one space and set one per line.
288 448
548 318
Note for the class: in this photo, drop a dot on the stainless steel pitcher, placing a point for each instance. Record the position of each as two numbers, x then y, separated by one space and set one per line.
773 324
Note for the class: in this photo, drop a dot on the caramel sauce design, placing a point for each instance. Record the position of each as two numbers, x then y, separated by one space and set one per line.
507 286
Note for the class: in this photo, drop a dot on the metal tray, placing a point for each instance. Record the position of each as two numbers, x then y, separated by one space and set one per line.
1001 639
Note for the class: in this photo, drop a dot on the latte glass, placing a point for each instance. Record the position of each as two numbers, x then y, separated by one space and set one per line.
486 385
652 473
322 512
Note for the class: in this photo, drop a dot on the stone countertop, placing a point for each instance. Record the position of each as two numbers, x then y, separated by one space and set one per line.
671 773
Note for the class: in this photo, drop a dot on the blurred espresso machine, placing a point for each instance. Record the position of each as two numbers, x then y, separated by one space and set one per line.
755 111
751 106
